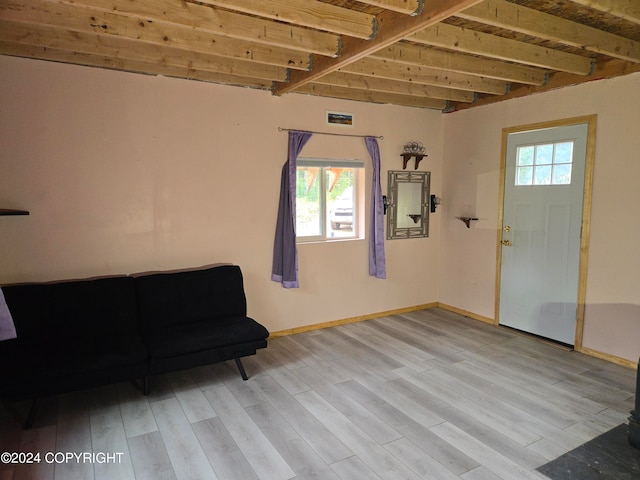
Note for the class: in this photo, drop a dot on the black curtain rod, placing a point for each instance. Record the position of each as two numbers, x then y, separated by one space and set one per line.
280 129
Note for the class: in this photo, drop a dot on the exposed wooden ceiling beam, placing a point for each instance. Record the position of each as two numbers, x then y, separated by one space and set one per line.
36 12
221 22
403 52
361 82
410 7
372 97
373 67
393 26
308 13
416 59
608 69
479 43
120 48
627 9
35 52
502 14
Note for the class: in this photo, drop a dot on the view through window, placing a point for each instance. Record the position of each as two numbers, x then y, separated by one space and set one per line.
544 164
326 199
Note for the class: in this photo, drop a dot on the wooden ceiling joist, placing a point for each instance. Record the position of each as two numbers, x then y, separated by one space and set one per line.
627 9
418 53
222 22
392 28
30 51
374 84
373 97
503 14
426 76
308 13
492 46
406 53
609 69
121 48
38 12
409 7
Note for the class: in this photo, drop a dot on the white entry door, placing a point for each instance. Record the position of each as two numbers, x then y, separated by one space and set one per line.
542 221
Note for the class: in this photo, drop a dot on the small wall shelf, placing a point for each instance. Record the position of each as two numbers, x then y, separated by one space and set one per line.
467 220
7 211
407 156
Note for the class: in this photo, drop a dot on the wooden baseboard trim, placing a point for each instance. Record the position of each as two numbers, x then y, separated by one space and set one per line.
344 321
466 313
608 357
584 350
307 328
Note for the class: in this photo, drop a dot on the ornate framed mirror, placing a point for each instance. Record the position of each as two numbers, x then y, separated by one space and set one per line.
408 204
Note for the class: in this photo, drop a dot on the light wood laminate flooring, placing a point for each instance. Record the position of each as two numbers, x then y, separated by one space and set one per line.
424 395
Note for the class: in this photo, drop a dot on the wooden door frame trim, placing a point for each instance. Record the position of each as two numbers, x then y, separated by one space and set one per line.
591 121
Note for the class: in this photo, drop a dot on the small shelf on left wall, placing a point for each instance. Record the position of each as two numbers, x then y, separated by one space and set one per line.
8 211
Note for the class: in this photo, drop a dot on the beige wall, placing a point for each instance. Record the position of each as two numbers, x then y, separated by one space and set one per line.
125 173
472 141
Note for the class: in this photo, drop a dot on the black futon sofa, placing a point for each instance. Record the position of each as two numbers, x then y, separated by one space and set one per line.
196 317
83 333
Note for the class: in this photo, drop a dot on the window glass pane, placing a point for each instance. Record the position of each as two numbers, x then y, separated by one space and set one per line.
524 175
327 199
562 174
340 202
551 164
525 155
564 152
542 175
308 202
544 154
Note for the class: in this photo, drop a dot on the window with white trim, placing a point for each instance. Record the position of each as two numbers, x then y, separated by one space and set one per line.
327 199
544 164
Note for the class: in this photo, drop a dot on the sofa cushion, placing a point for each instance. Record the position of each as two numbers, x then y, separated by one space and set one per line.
95 354
73 309
192 296
198 336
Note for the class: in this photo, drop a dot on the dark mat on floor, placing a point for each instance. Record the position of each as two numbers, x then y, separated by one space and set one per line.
607 457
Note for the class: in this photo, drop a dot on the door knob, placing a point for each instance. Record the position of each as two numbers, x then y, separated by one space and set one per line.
507 243
507 228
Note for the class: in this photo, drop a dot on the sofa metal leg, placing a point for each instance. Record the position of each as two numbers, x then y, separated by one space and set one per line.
145 385
33 411
241 368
